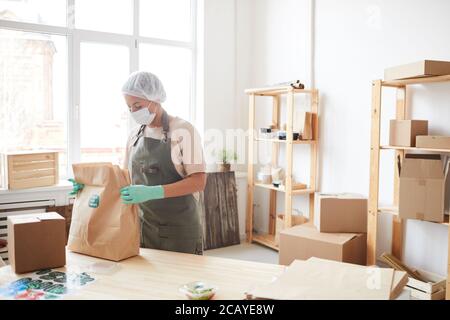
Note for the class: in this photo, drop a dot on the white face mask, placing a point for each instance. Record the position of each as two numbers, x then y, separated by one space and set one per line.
143 116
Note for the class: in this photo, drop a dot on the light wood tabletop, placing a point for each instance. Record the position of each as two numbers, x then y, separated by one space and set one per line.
158 275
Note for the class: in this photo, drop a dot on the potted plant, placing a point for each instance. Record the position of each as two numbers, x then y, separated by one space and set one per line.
225 157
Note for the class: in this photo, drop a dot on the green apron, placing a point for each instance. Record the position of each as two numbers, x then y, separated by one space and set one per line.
171 224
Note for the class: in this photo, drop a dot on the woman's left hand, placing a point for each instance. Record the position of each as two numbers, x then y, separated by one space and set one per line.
138 193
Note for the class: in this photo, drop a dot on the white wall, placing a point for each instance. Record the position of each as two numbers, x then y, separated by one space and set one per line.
218 109
354 41
219 64
271 48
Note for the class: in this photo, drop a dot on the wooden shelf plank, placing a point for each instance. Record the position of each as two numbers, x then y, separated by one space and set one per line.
425 80
394 212
284 141
303 191
267 240
282 189
415 149
274 91
269 186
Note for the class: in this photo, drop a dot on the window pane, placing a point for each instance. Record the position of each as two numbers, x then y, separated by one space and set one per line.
168 19
103 111
104 15
174 67
33 93
35 11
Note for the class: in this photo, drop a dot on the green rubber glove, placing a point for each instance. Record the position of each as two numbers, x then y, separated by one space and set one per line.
76 187
138 193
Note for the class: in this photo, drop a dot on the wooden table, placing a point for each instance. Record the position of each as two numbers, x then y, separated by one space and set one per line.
158 274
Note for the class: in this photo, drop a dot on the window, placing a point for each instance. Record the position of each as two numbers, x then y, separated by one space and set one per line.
103 115
62 65
33 92
168 19
104 15
49 12
173 66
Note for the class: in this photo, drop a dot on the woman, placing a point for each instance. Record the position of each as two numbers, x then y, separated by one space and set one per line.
167 169
165 158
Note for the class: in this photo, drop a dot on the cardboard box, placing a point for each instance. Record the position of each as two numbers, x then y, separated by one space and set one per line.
422 188
433 142
305 241
305 125
420 69
403 133
36 241
295 221
341 213
319 279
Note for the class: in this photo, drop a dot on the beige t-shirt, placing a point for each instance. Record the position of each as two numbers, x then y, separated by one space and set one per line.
187 151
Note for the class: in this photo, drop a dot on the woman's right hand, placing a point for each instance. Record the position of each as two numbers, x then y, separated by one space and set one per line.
76 187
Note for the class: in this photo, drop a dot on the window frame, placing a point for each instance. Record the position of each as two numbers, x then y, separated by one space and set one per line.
77 36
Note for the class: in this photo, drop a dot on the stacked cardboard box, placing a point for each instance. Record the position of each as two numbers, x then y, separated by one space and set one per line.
403 133
295 221
339 234
341 213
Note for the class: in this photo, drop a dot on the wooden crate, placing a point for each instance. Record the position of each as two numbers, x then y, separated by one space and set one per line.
432 290
30 169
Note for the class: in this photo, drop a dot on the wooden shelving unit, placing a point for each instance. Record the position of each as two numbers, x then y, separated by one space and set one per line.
288 189
376 148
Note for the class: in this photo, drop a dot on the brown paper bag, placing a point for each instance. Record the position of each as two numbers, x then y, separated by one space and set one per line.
110 231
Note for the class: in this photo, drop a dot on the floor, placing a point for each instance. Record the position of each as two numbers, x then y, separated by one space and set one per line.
246 251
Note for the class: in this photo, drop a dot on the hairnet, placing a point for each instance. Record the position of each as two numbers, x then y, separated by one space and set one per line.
145 85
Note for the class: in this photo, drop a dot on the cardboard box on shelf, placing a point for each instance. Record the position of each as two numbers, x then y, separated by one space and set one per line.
295 221
422 187
433 142
304 124
305 241
341 213
420 69
36 241
403 133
